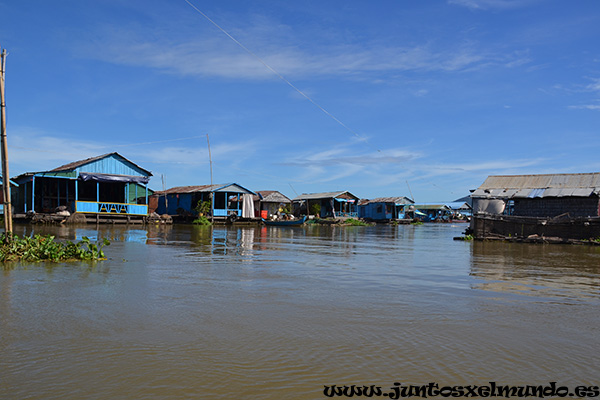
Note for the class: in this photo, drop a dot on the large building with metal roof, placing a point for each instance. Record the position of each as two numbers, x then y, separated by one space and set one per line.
546 195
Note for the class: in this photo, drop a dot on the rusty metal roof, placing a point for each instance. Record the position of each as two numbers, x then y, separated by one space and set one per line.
395 200
206 188
548 185
272 196
325 195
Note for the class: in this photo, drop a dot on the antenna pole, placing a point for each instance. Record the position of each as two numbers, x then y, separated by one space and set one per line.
4 151
411 195
164 187
211 181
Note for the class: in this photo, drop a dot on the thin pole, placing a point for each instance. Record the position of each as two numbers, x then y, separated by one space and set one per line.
164 187
211 183
411 195
5 174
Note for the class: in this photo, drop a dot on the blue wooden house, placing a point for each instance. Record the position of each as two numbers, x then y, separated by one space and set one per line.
108 184
227 201
384 208
330 204
431 212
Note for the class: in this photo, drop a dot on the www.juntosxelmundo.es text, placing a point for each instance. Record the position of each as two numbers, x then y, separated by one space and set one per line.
433 390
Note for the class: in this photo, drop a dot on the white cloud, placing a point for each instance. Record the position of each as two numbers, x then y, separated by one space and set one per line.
492 4
345 157
594 86
497 166
586 107
203 55
48 152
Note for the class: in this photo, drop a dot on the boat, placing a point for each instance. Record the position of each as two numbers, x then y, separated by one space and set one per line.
290 222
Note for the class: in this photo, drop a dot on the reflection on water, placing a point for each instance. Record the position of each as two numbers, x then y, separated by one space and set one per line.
549 271
183 312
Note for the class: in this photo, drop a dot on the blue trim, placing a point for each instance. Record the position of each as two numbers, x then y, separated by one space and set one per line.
43 175
33 194
110 208
232 184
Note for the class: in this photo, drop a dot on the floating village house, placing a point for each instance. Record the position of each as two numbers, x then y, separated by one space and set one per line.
225 204
440 212
108 184
460 208
562 205
330 204
539 195
384 208
429 212
268 202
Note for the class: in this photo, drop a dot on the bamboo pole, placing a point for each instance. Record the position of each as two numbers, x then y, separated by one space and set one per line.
4 151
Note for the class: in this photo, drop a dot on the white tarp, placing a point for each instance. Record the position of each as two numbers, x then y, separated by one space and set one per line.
491 206
247 206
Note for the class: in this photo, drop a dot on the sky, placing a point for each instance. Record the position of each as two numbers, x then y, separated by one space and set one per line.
422 99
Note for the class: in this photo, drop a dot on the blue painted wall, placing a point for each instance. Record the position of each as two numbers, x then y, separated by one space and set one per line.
375 211
111 165
174 201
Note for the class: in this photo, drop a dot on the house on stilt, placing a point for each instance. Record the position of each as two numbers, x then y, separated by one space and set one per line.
384 208
226 202
104 186
341 204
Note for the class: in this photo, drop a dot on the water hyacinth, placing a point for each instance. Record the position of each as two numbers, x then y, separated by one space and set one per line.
45 248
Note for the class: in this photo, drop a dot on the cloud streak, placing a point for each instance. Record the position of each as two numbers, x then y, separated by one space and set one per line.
492 4
199 55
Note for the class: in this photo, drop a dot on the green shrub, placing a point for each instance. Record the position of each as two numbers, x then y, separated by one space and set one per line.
315 209
202 208
201 221
355 222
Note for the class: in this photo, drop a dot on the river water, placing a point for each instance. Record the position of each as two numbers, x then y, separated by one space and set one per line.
189 312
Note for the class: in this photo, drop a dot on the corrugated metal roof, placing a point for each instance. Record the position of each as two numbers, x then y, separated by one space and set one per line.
458 205
203 188
273 196
548 185
324 195
395 200
188 189
76 164
431 206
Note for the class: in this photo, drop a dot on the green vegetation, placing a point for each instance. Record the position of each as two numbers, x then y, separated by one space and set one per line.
45 248
315 209
201 220
202 208
416 223
355 222
465 238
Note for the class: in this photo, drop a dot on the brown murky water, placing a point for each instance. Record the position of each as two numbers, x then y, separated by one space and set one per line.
188 312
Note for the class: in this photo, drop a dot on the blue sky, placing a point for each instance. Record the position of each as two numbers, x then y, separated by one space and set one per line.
307 96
